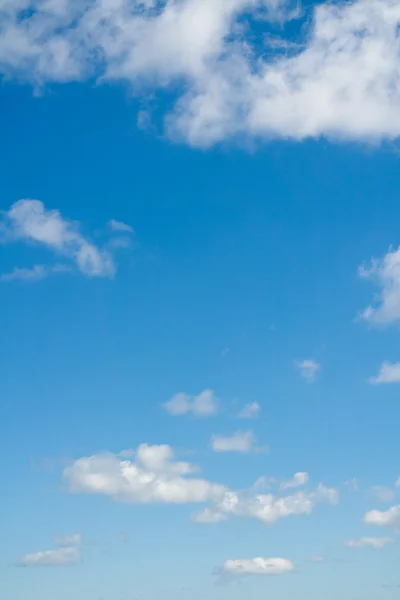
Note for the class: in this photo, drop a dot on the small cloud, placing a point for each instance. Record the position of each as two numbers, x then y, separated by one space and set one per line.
250 411
385 274
386 518
51 558
308 369
238 442
388 373
204 405
29 221
384 494
369 542
74 539
36 273
352 484
317 559
255 566
298 480
120 226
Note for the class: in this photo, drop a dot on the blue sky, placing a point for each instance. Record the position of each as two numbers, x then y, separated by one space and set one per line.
200 291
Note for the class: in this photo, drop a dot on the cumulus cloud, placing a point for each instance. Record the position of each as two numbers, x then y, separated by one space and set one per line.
256 566
386 518
369 542
204 405
308 369
341 81
267 508
152 476
238 442
250 411
51 558
388 373
30 222
297 480
385 274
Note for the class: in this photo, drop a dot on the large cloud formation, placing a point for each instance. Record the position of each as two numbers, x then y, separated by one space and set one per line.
341 81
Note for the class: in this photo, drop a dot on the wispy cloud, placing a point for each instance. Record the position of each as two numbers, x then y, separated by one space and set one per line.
384 494
369 542
297 480
120 226
241 441
206 404
250 411
36 273
385 274
60 557
255 566
308 369
30 222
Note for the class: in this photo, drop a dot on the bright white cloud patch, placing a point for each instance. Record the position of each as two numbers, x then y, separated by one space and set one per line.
297 480
257 566
153 476
250 411
51 558
30 222
267 508
341 81
238 442
308 369
204 405
386 518
388 373
369 542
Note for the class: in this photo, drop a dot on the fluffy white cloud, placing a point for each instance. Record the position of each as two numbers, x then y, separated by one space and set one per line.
386 518
384 494
388 373
369 542
385 273
341 80
153 476
204 405
297 480
238 442
267 508
29 221
51 558
257 566
120 226
308 369
250 411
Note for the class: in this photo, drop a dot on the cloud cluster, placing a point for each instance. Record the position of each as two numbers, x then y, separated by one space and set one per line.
204 405
28 221
340 81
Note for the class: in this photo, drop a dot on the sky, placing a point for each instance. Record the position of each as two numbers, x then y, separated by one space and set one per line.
200 299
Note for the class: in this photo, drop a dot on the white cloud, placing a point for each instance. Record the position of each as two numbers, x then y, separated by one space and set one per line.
36 273
384 494
369 542
153 476
51 558
387 518
204 405
120 226
353 484
388 373
308 369
29 221
385 273
250 411
317 559
266 508
75 539
257 566
297 480
341 81
238 442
